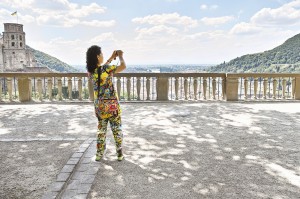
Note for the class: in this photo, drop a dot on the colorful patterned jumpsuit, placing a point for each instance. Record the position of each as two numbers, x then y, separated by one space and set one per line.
106 93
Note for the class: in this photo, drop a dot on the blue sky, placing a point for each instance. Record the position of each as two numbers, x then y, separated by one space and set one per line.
155 31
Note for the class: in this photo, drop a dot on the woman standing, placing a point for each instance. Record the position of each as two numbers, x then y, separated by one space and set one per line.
106 101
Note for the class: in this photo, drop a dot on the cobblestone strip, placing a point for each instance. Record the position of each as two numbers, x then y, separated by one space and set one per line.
41 139
66 173
81 181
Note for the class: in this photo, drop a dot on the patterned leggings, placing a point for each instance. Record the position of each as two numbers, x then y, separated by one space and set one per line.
116 128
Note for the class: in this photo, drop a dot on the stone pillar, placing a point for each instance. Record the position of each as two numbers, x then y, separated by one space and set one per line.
0 89
59 89
214 87
283 88
162 88
232 87
148 87
138 87
70 88
23 87
297 88
80 88
255 87
195 88
274 88
119 87
40 88
176 87
224 88
9 88
128 88
185 88
246 87
91 90
204 87
49 88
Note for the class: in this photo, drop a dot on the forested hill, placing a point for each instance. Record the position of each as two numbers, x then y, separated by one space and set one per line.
284 58
52 63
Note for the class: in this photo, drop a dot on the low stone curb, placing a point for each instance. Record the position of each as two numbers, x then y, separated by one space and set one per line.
62 179
40 139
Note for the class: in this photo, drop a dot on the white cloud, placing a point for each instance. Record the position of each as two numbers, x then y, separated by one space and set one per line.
155 31
17 3
167 19
103 37
96 23
207 7
58 13
245 28
216 20
270 19
288 14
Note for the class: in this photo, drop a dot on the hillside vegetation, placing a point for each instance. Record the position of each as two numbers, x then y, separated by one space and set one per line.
52 63
282 59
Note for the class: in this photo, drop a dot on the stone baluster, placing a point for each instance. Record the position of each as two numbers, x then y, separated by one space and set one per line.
0 89
91 89
70 88
119 86
185 88
274 88
80 88
293 88
148 87
59 88
214 87
30 88
40 88
283 88
246 87
138 87
265 87
195 87
223 88
128 88
204 87
176 87
49 88
255 87
9 88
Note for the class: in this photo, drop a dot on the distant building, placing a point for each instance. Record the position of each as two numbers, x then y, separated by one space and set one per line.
14 56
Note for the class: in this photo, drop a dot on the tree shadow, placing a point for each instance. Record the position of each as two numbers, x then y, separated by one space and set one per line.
232 150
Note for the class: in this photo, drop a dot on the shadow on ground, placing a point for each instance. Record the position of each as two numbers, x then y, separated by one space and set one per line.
209 150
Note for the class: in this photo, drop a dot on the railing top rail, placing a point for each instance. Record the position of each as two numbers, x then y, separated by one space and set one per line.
171 75
223 75
43 74
263 74
117 75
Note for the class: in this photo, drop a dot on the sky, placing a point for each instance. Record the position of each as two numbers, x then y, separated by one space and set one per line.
154 31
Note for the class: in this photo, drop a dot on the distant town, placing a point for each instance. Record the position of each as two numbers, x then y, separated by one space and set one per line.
159 68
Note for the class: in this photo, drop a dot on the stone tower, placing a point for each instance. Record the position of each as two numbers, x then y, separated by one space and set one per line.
15 57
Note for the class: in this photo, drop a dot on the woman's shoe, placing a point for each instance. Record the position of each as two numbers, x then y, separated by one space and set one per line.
98 157
120 155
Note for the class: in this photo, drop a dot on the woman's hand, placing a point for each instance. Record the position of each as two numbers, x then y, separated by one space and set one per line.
119 53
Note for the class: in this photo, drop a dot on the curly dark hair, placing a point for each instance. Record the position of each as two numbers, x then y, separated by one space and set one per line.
91 58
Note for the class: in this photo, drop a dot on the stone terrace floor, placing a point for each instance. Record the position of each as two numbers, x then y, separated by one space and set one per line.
172 150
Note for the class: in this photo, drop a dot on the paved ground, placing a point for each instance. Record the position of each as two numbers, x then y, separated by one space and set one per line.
173 150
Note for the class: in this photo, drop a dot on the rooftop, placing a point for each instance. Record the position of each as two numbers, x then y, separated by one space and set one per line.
172 150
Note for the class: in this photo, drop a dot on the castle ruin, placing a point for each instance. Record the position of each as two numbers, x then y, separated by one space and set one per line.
14 56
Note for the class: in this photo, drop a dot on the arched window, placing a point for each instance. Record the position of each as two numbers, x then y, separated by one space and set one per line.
12 36
21 45
12 43
20 37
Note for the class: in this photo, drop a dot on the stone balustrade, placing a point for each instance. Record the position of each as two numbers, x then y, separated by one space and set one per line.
152 86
